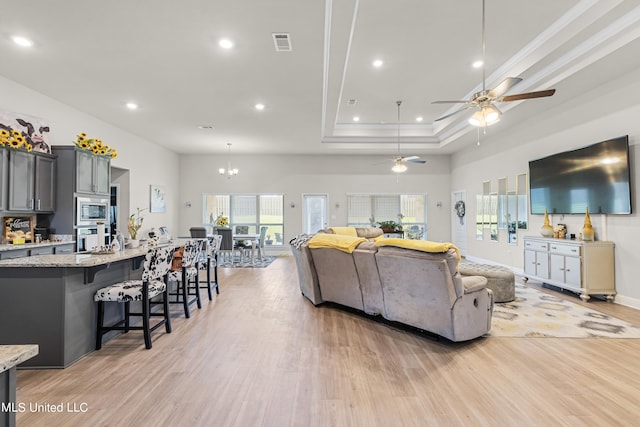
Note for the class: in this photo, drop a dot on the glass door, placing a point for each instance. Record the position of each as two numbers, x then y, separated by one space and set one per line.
314 212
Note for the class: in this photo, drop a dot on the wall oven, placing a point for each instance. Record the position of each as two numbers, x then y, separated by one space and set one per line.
91 211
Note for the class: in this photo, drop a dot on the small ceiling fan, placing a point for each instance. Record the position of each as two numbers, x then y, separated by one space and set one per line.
487 113
399 160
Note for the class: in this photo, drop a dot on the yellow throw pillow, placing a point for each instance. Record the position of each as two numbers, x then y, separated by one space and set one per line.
418 245
345 231
335 241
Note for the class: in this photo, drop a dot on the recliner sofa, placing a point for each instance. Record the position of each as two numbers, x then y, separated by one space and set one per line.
413 287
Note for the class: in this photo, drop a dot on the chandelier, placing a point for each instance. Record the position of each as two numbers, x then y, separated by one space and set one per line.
229 171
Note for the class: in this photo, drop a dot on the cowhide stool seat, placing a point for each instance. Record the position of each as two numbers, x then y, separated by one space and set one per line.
156 266
185 273
500 280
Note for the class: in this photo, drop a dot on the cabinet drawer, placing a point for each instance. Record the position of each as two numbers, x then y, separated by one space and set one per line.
64 249
42 251
14 254
564 249
536 246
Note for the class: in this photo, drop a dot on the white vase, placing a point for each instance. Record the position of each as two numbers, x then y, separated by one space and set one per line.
134 243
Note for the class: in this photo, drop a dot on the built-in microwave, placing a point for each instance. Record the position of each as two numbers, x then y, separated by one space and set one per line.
91 211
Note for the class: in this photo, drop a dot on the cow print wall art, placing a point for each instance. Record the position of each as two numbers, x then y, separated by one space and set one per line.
34 129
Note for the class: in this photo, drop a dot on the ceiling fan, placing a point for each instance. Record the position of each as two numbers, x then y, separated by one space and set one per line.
399 160
487 113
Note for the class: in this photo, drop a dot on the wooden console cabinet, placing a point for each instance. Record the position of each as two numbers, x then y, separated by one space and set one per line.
583 267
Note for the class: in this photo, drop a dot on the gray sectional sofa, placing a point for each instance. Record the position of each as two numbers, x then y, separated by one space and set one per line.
413 287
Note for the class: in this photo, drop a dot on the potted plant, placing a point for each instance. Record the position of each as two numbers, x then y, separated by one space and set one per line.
134 224
269 240
390 226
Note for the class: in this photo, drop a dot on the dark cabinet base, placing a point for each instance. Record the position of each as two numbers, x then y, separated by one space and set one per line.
54 308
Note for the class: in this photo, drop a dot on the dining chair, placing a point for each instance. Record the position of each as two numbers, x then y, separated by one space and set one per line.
226 245
263 233
157 263
186 275
242 245
199 232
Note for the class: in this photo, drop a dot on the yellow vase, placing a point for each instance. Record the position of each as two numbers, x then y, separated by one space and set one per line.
546 230
587 230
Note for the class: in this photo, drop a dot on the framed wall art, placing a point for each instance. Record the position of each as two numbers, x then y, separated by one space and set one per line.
34 129
158 198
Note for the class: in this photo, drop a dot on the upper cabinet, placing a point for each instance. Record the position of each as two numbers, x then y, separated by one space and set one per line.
92 173
3 178
31 182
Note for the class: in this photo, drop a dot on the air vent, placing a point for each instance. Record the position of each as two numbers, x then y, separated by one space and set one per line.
352 102
282 42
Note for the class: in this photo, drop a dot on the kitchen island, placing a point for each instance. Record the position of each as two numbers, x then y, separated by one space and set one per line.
10 357
48 300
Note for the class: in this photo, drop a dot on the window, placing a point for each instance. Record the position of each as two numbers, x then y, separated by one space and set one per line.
252 210
409 209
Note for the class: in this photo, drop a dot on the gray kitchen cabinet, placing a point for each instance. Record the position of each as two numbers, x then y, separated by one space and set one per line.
16 253
45 184
22 167
4 175
31 182
92 173
42 250
67 248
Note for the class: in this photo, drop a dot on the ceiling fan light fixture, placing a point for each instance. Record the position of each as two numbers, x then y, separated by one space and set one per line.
485 116
399 167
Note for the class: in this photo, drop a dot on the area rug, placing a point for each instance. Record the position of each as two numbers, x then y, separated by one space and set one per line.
247 263
537 314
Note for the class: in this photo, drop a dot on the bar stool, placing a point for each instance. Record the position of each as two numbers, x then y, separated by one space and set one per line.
157 263
187 277
211 260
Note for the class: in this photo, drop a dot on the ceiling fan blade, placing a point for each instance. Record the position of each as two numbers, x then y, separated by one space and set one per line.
410 158
451 102
455 112
415 160
504 86
527 95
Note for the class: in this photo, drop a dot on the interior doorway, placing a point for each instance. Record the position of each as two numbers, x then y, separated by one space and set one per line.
314 212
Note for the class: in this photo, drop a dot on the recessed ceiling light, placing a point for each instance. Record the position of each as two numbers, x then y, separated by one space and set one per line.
132 105
419 119
378 63
225 43
22 41
477 64
356 118
259 106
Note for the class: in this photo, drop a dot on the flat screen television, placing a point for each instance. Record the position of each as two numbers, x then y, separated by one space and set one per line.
596 176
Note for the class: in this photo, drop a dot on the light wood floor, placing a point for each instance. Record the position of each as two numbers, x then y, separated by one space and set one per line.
261 355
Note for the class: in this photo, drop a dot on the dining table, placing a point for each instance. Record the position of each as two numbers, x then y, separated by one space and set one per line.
253 237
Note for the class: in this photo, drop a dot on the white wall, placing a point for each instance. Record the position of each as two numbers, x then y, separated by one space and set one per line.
333 175
147 163
597 116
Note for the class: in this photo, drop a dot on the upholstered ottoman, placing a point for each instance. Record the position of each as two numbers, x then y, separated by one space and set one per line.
500 280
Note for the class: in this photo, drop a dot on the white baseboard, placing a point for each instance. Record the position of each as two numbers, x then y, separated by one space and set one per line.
619 299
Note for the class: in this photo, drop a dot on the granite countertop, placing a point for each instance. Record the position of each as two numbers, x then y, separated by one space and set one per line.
83 259
12 355
33 245
79 259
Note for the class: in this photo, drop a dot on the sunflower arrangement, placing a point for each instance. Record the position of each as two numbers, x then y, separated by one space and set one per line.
14 139
222 221
95 145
